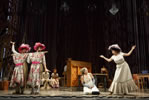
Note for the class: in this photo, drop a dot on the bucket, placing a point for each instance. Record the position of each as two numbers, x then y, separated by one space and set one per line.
5 85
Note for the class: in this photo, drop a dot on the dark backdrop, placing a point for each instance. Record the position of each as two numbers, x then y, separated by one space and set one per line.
84 29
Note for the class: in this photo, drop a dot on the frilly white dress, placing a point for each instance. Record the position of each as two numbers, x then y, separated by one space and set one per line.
88 82
123 82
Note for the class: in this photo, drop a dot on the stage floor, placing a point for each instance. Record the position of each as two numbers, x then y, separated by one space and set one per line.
69 93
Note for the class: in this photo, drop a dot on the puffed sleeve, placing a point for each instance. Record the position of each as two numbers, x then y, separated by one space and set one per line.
122 53
112 57
13 50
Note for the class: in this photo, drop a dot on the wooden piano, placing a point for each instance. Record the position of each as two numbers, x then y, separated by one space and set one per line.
73 71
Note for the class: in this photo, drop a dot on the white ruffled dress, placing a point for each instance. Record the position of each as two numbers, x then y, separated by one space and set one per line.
123 82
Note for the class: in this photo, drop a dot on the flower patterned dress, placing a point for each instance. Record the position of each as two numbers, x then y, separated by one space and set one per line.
18 73
37 60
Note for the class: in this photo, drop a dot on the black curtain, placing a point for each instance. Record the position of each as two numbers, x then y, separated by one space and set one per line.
83 29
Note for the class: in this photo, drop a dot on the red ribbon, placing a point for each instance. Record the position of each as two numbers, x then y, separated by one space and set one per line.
35 62
19 64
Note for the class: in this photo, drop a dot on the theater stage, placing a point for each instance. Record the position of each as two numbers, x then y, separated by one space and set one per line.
72 93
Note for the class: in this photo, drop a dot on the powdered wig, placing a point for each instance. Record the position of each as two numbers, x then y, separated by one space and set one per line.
83 70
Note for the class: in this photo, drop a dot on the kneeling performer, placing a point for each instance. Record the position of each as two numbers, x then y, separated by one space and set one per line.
88 82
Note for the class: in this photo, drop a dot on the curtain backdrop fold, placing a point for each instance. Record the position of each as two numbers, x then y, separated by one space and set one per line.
86 30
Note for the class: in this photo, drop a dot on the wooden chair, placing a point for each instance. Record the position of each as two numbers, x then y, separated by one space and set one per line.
138 80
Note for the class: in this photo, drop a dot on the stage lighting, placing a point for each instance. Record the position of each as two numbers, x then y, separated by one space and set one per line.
64 7
114 10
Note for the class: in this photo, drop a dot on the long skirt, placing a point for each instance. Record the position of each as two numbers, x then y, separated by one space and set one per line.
25 68
87 90
34 75
122 82
17 77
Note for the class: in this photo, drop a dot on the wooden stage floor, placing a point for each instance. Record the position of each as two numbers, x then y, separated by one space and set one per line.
73 93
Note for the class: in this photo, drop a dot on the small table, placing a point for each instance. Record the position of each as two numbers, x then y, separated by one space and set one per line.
98 77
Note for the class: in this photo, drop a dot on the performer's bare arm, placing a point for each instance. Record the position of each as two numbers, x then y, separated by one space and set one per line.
44 63
13 48
107 59
130 52
33 52
82 80
45 51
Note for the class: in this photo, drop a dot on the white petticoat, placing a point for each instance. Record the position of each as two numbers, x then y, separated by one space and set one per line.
87 90
122 82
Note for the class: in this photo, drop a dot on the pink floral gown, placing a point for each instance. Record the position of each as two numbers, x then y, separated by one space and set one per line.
18 73
36 59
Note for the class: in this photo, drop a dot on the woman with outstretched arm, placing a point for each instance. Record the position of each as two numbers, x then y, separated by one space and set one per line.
19 58
123 82
38 61
88 82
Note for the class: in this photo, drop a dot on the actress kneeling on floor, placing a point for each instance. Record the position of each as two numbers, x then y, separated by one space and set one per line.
88 82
